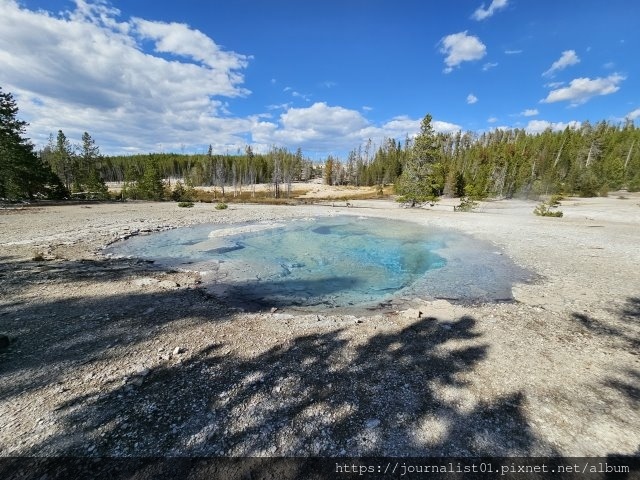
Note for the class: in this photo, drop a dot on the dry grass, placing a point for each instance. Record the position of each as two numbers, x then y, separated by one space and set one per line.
298 196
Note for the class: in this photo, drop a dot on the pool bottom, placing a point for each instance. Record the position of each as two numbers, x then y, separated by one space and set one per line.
341 263
473 272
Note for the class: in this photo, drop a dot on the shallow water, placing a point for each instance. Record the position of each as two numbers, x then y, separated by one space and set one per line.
328 262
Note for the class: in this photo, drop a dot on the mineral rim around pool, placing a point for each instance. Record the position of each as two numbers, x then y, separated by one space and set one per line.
332 262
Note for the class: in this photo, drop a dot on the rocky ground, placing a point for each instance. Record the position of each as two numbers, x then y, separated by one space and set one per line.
108 357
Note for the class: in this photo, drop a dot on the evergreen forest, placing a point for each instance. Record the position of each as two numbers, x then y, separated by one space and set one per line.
587 160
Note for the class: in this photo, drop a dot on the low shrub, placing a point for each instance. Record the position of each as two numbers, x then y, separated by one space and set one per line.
466 205
221 206
544 210
185 204
555 200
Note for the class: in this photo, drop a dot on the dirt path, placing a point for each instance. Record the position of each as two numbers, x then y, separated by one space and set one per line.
124 358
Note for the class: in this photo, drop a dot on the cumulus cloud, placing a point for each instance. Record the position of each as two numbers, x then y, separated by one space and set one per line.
634 114
460 47
481 13
322 127
567 59
138 85
581 90
530 112
539 126
88 71
489 66
471 99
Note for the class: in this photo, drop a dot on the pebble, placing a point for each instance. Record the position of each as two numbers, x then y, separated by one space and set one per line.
178 350
372 423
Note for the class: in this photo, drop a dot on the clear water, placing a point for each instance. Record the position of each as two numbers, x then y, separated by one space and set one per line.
327 262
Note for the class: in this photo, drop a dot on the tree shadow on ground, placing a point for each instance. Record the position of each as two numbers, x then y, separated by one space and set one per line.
626 329
51 337
401 393
332 393
625 333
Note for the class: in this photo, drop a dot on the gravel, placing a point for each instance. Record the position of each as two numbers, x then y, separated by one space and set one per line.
121 357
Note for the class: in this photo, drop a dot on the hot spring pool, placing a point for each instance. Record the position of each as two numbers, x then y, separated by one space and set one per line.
329 262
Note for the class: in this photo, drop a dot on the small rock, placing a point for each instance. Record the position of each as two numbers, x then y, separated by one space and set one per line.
372 423
4 342
143 373
274 309
178 350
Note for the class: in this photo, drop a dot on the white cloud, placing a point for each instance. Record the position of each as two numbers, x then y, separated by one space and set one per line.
460 47
539 126
554 84
445 127
567 59
88 70
328 84
530 112
581 90
321 127
304 96
481 13
279 106
367 108
492 120
512 52
489 66
140 86
634 114
471 99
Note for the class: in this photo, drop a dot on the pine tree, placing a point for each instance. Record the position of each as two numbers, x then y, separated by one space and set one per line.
22 172
88 174
151 185
418 183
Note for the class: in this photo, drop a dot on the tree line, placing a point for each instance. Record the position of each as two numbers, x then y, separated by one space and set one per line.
588 160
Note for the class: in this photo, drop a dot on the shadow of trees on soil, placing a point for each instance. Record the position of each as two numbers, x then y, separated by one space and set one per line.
399 393
322 394
625 333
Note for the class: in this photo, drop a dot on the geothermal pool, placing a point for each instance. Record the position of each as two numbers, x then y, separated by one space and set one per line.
330 262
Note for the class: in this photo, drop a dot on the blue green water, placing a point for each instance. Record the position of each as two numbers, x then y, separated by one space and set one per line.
335 261
330 262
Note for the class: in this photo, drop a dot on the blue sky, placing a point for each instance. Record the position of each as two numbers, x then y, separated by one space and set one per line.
325 76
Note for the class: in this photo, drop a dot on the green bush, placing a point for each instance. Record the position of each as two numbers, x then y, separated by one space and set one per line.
603 191
544 210
466 205
183 193
221 206
185 204
555 200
